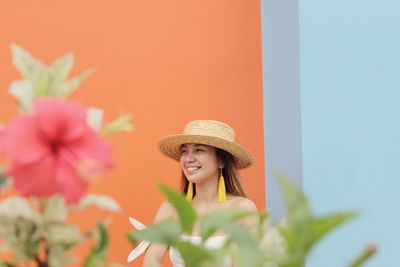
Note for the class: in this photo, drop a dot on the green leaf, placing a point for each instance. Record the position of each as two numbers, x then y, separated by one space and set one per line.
187 214
103 202
60 68
295 200
45 80
261 225
5 181
290 260
290 235
298 232
322 226
21 236
58 257
42 85
272 243
213 221
365 255
304 229
65 235
194 256
275 249
121 124
22 90
55 209
18 207
30 67
164 232
114 264
67 87
249 254
98 252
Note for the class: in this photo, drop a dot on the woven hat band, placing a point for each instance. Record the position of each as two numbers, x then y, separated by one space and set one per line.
210 128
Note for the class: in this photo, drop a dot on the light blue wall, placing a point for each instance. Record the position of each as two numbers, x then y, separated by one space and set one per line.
349 148
350 96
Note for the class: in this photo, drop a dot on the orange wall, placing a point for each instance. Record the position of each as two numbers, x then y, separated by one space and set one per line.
166 62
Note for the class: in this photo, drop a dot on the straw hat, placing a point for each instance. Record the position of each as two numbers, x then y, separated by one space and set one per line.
207 132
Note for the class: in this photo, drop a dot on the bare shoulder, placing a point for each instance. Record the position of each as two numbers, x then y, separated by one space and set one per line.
243 203
165 211
246 204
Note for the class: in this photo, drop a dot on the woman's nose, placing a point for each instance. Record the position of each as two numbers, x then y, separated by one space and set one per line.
188 157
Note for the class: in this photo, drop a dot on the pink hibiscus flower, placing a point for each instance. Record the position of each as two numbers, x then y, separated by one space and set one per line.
54 150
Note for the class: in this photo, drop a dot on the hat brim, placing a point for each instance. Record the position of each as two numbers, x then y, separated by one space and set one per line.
170 146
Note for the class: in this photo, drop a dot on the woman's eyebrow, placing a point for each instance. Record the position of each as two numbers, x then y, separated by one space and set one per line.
199 145
183 146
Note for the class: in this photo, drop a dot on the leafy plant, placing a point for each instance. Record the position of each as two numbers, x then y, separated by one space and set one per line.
263 244
48 167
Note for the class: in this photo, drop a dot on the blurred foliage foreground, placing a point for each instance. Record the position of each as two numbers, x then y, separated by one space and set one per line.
54 149
264 244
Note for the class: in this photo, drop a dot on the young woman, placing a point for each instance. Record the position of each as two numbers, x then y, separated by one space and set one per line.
209 158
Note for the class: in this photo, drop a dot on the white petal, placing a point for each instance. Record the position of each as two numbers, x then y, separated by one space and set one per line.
139 250
138 225
95 118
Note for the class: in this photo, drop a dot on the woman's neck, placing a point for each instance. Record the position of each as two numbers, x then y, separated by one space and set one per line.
207 192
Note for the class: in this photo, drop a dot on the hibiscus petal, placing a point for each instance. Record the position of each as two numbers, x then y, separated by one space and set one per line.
70 185
50 176
21 142
91 148
60 120
36 179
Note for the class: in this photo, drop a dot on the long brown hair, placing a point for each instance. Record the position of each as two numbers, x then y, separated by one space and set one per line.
231 175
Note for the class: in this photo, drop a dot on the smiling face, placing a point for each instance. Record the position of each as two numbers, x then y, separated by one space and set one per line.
199 163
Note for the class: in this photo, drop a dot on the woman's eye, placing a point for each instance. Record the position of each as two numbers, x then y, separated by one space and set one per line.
199 150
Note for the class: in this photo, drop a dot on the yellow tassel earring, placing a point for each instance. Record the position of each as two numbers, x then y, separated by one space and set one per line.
189 193
221 189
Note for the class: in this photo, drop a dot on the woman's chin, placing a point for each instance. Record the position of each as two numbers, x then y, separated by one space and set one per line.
195 178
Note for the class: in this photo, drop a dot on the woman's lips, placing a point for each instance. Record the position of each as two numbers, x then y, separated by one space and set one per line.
192 169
